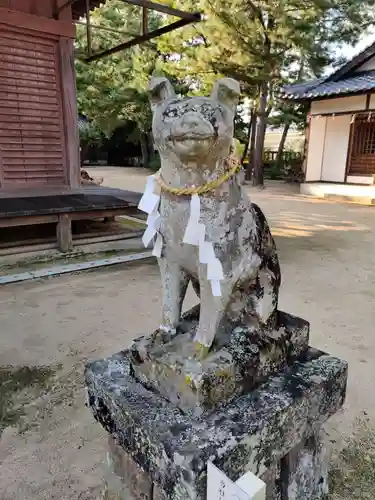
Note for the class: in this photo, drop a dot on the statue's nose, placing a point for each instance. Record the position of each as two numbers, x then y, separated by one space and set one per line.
191 120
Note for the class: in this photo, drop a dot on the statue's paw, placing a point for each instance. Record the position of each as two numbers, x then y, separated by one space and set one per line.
201 351
163 334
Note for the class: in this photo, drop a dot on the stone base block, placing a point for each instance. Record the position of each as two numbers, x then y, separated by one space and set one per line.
273 431
170 366
125 479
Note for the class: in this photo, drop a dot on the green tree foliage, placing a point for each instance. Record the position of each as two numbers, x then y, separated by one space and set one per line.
90 134
113 89
261 43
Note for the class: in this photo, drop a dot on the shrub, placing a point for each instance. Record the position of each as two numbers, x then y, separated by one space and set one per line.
154 163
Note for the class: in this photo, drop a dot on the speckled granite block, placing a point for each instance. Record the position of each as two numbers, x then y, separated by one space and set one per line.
129 480
125 479
305 469
169 365
256 431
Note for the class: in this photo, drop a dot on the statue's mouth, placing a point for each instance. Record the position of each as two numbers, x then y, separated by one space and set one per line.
191 144
190 137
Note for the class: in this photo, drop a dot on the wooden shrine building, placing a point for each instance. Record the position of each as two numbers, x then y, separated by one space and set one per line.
39 143
340 144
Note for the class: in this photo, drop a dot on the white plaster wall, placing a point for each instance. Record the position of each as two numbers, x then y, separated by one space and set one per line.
370 64
339 105
359 179
316 147
372 101
335 148
322 189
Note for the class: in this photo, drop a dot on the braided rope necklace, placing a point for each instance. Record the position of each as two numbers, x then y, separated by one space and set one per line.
203 188
195 232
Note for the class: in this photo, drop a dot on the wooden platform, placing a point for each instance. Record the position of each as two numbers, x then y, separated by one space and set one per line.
30 207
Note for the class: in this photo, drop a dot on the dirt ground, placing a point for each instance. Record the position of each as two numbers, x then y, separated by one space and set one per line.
327 254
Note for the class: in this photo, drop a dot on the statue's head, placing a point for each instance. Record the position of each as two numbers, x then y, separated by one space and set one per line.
193 128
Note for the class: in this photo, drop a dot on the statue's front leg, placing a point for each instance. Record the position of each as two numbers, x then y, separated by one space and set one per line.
212 310
174 284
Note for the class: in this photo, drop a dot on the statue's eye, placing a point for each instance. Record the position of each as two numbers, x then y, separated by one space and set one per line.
171 113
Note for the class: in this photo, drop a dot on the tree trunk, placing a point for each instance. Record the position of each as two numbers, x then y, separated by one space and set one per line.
252 144
258 177
246 149
150 143
280 150
83 152
144 149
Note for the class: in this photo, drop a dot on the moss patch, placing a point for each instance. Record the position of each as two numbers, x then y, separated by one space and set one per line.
75 257
131 224
352 474
14 380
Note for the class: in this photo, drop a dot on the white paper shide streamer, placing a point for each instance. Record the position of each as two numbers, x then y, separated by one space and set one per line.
195 233
150 204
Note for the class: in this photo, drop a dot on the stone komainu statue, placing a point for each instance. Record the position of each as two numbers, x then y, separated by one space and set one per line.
207 230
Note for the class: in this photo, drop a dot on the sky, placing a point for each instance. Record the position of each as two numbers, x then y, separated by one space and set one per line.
350 51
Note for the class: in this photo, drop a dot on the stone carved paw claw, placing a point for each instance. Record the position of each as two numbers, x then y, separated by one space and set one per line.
201 351
163 335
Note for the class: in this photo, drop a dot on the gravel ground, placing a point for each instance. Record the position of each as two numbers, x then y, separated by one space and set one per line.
327 254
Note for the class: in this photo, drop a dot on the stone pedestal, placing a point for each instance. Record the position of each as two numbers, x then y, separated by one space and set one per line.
255 404
237 364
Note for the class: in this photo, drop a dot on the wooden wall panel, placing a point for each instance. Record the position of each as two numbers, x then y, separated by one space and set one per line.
362 146
15 18
32 138
42 8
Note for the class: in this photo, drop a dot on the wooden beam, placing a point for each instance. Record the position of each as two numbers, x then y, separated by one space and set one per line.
98 214
17 19
64 233
106 28
30 220
144 38
364 112
163 8
27 220
62 7
88 28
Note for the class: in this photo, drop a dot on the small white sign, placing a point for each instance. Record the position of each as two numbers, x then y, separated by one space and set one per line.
220 487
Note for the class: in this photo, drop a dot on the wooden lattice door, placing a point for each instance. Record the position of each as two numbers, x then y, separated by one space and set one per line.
362 146
32 147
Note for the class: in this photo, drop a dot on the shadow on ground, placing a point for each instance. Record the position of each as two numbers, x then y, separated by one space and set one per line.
352 474
327 256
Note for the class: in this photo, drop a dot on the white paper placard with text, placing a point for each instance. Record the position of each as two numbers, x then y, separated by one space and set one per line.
220 487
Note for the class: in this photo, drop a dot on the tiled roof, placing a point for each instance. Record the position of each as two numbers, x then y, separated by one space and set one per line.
83 123
322 88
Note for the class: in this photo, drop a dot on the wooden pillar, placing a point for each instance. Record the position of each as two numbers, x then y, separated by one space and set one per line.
144 21
307 141
70 114
64 233
1 172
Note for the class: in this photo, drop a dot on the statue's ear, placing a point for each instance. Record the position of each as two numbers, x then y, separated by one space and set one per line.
160 89
227 92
